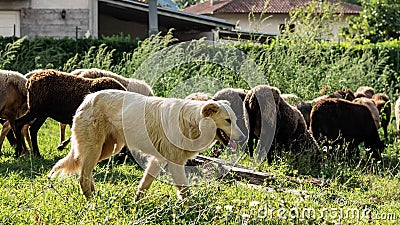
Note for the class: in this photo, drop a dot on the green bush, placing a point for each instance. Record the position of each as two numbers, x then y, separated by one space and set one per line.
54 53
298 67
295 65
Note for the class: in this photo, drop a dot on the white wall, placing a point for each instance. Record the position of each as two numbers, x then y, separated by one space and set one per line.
57 4
270 25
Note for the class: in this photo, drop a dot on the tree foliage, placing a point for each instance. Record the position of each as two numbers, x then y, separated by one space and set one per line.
378 21
186 3
315 20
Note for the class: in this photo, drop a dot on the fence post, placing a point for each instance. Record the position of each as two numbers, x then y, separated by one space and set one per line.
76 38
397 60
153 17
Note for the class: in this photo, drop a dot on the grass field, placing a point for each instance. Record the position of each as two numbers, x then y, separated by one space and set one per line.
347 192
351 193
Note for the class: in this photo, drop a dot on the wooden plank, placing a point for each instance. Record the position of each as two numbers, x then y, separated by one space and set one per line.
241 172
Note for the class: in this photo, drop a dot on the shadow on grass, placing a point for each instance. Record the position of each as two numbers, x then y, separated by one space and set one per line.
335 165
27 166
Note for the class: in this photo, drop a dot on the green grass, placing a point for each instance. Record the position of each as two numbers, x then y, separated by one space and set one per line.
28 196
294 66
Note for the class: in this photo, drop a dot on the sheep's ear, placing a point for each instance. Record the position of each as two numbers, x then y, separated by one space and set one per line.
210 109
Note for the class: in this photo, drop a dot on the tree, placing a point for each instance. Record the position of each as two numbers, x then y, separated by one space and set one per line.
315 20
378 21
186 3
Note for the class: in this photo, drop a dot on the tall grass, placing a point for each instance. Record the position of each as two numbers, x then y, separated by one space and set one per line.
302 66
310 69
7 55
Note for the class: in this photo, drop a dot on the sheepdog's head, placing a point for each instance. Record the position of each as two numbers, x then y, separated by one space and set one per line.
222 114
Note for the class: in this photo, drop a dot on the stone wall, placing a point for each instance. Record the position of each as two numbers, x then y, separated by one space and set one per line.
49 23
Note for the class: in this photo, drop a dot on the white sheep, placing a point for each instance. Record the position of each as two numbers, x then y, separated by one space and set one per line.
397 114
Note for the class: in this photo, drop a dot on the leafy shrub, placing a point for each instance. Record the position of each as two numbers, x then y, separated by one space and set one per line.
54 53
295 65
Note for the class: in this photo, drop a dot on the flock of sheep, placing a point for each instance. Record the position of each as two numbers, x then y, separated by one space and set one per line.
343 116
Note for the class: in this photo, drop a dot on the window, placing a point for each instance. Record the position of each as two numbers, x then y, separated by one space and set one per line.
9 23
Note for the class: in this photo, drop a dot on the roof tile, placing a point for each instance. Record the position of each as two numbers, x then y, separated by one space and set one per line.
257 6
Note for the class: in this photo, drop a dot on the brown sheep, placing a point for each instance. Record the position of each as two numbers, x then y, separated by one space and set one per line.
344 94
31 73
271 116
13 95
338 119
384 109
131 84
364 91
10 135
56 95
370 104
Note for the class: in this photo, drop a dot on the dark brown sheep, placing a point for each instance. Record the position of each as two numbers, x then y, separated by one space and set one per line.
56 95
10 135
131 84
385 109
276 123
305 107
338 119
344 94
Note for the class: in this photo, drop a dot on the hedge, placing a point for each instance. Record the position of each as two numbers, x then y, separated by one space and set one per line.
54 53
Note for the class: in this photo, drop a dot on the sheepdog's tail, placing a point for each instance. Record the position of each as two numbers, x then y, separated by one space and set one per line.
67 166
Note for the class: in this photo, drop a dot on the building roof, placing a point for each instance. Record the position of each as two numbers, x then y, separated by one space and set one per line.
258 6
130 10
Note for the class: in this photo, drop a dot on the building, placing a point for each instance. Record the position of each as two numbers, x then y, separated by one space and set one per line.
276 12
55 18
80 18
